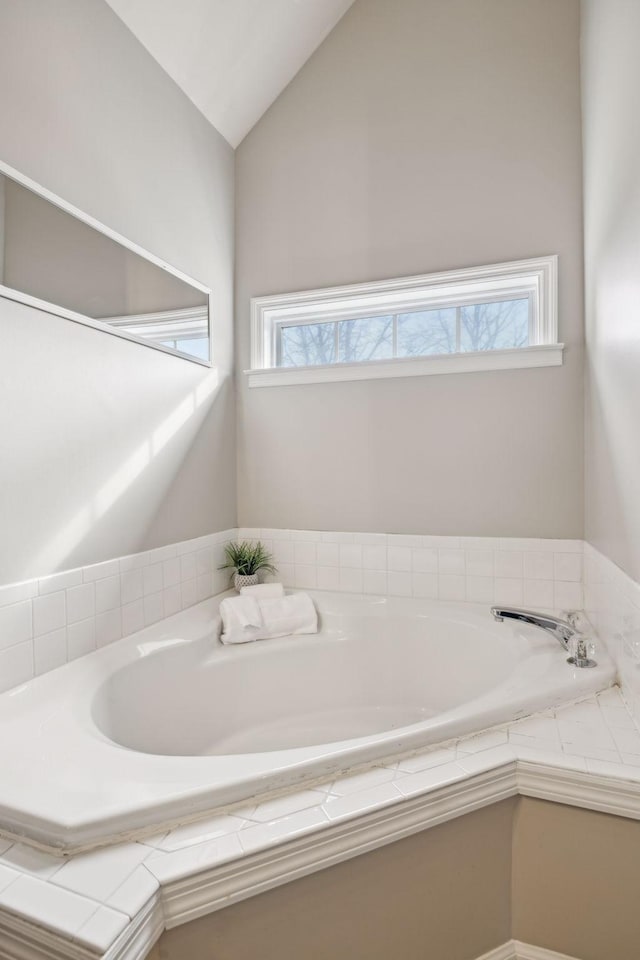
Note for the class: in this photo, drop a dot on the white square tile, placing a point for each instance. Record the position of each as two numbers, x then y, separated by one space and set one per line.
328 554
81 638
81 602
265 834
283 551
425 560
567 596
107 594
99 873
306 577
49 613
350 555
50 651
188 567
374 582
153 610
59 581
169 867
171 600
404 540
152 581
350 580
508 590
538 565
15 592
47 904
202 831
171 572
538 593
399 559
204 560
480 589
357 782
133 617
399 584
16 665
102 928
7 877
15 624
451 562
425 585
204 586
424 761
328 578
451 587
355 804
189 593
304 552
101 571
567 566
374 558
131 585
284 806
108 627
479 563
137 889
509 563
27 859
431 779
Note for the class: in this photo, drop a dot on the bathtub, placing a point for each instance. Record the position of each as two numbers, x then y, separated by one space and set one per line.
168 723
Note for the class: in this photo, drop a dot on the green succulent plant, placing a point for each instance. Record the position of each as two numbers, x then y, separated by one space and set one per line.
247 558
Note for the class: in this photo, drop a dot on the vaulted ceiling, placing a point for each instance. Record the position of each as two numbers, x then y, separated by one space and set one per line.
231 57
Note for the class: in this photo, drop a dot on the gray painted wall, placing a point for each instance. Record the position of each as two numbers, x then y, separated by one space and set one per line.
611 79
419 137
108 447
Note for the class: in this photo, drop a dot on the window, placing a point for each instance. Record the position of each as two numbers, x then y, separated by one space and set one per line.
484 318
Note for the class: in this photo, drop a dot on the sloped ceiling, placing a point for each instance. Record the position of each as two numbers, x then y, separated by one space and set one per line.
231 57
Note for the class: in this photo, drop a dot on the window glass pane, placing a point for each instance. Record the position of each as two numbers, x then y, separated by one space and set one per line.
195 347
427 332
494 326
307 345
369 338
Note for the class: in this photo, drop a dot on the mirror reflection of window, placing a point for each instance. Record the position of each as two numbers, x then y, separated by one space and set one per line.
51 255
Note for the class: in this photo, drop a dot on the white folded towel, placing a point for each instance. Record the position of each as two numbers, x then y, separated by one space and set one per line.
292 614
252 618
263 590
241 619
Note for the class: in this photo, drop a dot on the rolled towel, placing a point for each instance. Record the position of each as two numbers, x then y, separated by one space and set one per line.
263 590
241 620
249 618
288 615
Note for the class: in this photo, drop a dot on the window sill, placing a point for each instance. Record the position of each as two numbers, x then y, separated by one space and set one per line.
547 355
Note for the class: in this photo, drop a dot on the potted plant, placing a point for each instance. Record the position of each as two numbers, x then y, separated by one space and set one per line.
247 560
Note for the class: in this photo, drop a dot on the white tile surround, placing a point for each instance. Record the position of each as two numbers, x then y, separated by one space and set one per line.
612 603
537 573
114 902
46 622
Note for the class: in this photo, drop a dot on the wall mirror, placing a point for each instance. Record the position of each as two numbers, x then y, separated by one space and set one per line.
55 258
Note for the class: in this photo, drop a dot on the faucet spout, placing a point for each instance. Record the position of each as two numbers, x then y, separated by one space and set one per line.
560 629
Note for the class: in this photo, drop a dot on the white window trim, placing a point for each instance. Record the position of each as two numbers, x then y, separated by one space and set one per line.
535 278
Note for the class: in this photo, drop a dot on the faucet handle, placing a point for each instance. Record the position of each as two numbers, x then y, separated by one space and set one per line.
582 652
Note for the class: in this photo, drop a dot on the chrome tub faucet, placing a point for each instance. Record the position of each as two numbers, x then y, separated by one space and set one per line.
565 633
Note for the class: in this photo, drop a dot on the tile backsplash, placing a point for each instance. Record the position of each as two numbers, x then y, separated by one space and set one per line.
536 573
47 622
612 603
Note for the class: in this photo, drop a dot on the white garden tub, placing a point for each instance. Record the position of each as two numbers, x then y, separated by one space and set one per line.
168 723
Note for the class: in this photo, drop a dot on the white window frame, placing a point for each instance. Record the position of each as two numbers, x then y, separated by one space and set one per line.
536 279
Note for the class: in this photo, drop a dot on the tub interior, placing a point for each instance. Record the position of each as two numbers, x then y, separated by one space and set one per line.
360 676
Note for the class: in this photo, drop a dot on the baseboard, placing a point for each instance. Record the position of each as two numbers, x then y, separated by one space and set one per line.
516 950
